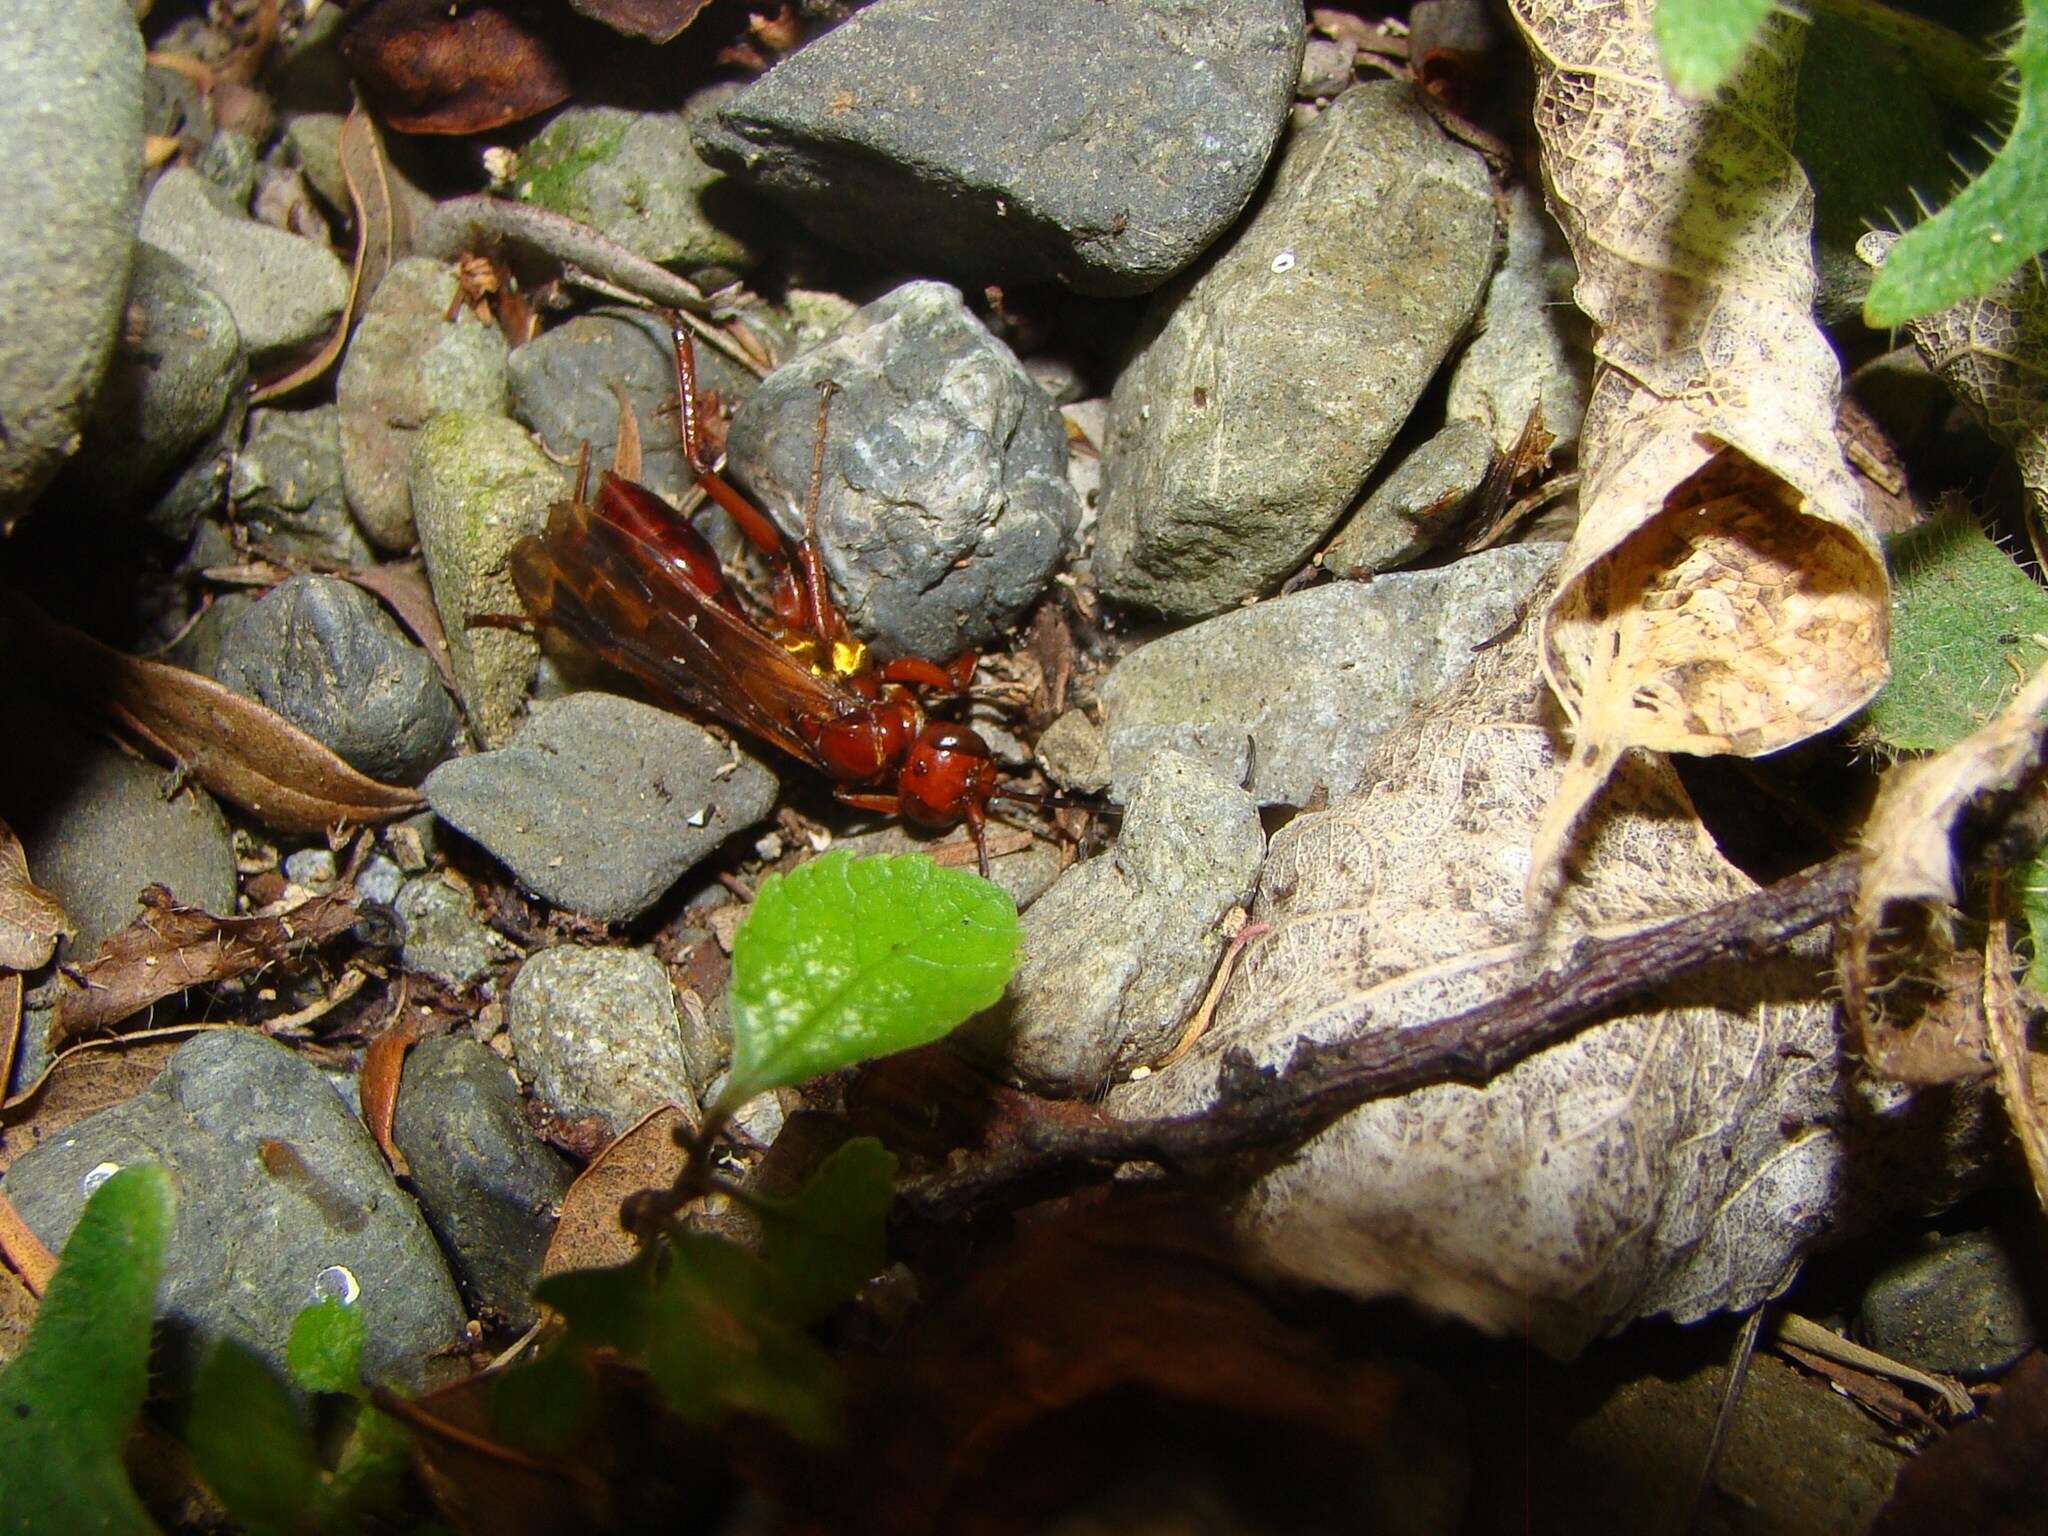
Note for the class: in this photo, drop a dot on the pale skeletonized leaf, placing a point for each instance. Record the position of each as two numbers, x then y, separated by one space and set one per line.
1674 1159
1993 352
1724 592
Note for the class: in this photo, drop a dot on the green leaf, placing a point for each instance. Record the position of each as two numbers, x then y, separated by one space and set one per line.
2032 880
1991 227
718 1345
246 1439
1964 622
846 959
68 1401
607 1308
325 1351
1702 41
826 1241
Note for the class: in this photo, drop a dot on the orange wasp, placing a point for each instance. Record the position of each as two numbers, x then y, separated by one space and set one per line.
627 578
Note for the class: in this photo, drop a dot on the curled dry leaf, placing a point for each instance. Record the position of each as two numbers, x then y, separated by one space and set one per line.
1724 592
23 1250
234 746
1993 352
31 919
431 67
171 947
384 211
646 1155
1898 925
1675 1159
10 1022
383 1070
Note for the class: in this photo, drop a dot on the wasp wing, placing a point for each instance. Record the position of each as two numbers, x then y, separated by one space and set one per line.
617 597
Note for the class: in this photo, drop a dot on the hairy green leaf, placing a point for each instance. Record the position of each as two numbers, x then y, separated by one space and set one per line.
68 1401
826 1241
2032 881
325 1351
846 959
1994 224
246 1439
1965 622
1702 41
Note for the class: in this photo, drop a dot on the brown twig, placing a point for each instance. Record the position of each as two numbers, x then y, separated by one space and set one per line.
1323 1081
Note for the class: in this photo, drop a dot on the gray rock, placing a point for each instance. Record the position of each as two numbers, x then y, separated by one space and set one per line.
488 1186
286 486
479 485
596 1032
176 366
1532 348
282 1199
70 157
601 803
1415 506
407 361
1960 1305
637 178
98 827
1117 954
379 880
229 165
327 657
1274 380
562 388
285 293
314 868
198 490
313 139
1075 751
1314 679
945 503
443 937
1104 143
198 648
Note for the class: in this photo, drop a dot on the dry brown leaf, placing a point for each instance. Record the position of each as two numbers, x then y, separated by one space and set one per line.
23 1250
1677 1158
10 1023
1898 925
626 445
383 230
235 747
656 20
1724 592
31 919
383 1070
171 947
646 1155
85 1080
431 67
17 1313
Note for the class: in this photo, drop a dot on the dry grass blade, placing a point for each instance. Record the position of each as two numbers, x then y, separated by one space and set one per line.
172 947
31 919
382 234
232 745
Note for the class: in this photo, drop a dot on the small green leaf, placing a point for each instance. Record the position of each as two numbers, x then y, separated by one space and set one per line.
2032 880
1702 41
68 1401
607 1308
1993 225
717 1344
1964 621
826 1241
846 959
246 1439
325 1351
